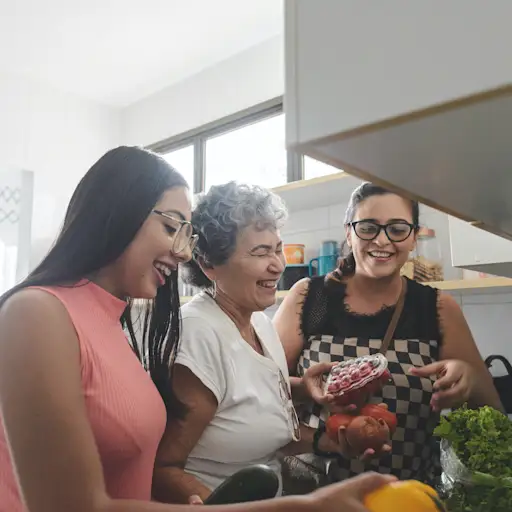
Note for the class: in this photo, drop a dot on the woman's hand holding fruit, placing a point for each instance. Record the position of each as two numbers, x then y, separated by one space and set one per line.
365 433
359 429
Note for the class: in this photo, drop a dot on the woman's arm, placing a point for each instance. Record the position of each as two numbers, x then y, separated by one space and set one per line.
458 343
171 484
52 447
287 321
305 445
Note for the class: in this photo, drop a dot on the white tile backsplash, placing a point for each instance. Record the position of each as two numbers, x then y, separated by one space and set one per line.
308 220
491 325
337 214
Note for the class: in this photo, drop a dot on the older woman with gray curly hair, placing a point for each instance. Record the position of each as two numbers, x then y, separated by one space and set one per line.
231 369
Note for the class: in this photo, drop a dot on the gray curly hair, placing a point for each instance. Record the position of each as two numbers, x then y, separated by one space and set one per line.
219 217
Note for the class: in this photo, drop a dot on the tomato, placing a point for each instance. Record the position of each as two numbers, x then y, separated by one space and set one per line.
380 413
335 422
408 495
365 433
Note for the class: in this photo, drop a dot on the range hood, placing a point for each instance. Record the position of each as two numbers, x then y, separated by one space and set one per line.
414 97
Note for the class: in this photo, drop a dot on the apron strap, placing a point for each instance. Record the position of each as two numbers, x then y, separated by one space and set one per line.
394 319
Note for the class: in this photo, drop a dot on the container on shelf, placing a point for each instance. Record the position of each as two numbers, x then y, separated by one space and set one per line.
322 265
327 259
428 260
294 254
329 248
407 269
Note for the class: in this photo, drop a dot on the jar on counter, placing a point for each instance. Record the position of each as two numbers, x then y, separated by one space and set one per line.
407 269
428 261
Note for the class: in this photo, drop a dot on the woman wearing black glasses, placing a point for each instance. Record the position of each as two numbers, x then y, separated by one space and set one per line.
433 359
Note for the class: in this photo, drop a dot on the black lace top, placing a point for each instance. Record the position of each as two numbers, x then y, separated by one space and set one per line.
333 333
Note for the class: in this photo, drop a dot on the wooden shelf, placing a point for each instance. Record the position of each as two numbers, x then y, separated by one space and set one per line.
316 192
475 286
280 296
489 285
294 185
464 286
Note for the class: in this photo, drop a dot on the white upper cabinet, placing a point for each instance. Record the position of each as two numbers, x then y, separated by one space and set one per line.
416 96
474 249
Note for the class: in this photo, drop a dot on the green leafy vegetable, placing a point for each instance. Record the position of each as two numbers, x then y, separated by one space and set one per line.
482 440
479 499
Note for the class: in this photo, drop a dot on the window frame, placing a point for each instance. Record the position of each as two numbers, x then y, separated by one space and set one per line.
198 137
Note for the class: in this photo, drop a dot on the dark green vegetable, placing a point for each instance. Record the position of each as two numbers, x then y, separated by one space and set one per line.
482 439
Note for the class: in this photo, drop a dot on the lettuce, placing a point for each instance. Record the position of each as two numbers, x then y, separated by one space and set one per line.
482 440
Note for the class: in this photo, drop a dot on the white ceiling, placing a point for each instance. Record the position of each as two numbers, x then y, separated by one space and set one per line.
118 51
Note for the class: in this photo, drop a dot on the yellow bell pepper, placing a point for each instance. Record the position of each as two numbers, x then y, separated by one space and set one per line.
407 496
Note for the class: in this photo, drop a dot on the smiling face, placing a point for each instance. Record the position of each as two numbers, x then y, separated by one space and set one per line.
151 256
381 257
250 276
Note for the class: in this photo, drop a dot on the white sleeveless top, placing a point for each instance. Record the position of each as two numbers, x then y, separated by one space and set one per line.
251 423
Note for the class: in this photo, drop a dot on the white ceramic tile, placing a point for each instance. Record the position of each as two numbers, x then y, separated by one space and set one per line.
487 299
337 215
307 220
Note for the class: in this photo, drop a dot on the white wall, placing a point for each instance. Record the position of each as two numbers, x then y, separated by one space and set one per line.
56 135
251 77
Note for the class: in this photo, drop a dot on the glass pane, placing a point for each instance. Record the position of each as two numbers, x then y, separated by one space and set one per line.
314 168
253 154
183 161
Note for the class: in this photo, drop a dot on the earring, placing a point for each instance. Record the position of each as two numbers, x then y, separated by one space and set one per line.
213 289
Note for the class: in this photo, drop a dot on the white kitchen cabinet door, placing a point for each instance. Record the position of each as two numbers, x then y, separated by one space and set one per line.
415 96
352 63
475 249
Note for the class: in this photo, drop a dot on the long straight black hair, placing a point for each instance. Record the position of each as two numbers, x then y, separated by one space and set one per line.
107 209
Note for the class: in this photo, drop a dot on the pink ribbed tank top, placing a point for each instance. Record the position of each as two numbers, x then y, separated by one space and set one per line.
126 412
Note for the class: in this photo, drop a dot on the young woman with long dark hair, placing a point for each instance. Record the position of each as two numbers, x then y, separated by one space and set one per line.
81 410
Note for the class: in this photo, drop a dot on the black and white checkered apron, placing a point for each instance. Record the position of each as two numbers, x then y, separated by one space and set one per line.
334 334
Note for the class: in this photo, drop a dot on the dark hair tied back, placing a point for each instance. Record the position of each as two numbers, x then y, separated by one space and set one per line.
346 263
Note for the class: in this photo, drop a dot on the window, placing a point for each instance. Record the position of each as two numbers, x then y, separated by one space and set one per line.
253 154
314 168
183 161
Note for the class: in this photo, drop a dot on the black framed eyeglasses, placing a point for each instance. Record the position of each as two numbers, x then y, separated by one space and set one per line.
183 234
368 230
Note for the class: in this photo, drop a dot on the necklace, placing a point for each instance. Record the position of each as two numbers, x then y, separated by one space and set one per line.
255 342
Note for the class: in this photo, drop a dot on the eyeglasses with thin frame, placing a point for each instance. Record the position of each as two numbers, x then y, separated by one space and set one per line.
286 397
396 231
183 235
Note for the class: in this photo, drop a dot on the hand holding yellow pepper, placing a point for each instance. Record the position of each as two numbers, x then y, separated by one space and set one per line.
407 496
